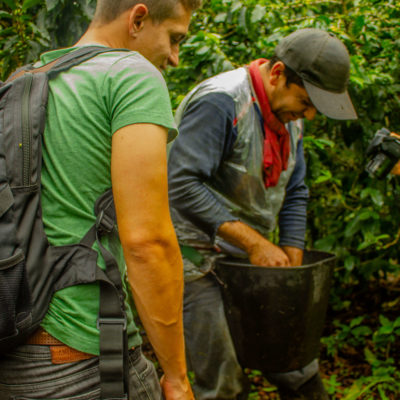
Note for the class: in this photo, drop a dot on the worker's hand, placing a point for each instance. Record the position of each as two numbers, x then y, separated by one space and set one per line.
176 389
396 168
295 255
266 254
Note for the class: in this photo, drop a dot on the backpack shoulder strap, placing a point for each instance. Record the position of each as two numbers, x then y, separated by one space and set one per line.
112 318
64 62
76 57
18 72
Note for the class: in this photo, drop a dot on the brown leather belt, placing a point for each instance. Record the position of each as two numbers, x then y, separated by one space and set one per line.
60 352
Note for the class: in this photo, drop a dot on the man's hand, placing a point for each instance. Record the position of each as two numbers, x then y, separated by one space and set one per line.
295 255
266 254
176 390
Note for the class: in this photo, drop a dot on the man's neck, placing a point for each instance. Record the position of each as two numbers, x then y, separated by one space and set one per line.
109 35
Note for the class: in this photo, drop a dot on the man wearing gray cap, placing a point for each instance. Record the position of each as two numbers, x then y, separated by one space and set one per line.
237 166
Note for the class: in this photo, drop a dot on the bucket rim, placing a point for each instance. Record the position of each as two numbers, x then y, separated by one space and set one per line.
230 261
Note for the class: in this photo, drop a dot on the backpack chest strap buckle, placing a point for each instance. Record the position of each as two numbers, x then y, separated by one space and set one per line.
104 223
111 321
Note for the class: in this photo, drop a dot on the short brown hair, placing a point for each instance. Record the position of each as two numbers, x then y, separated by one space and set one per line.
291 76
159 10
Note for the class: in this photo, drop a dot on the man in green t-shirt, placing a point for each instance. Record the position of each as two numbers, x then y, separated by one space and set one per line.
108 123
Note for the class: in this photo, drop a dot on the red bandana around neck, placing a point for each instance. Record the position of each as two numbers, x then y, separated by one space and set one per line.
276 141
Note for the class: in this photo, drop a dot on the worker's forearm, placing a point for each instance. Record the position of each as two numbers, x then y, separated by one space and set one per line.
240 235
156 278
260 250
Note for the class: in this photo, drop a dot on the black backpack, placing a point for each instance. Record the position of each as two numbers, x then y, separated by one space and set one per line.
31 270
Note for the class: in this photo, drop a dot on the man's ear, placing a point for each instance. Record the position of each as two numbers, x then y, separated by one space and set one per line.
137 16
277 73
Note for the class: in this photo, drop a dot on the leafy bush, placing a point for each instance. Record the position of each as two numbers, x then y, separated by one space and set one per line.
29 27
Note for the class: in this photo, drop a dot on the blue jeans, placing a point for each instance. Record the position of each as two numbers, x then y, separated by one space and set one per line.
28 374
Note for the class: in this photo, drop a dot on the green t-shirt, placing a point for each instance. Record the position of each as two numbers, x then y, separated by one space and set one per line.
86 105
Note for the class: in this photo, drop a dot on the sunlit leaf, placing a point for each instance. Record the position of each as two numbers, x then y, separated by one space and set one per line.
257 14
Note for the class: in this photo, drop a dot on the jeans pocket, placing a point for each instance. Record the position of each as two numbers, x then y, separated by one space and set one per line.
143 380
40 379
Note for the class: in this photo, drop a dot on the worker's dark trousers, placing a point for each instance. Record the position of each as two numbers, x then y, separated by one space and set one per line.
210 351
28 374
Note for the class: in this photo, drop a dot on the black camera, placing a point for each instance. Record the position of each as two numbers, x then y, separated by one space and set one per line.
383 154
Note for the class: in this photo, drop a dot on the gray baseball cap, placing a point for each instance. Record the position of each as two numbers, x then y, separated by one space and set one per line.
323 63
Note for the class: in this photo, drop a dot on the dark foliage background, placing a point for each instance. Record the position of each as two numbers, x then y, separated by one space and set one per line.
349 214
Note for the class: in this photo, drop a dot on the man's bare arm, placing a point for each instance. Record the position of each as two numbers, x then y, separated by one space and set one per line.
154 264
260 250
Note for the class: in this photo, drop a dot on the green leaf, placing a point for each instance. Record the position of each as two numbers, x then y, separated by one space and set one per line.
317 142
361 331
11 3
221 17
30 3
325 19
356 321
237 5
192 254
396 323
325 244
375 194
5 14
51 4
385 330
366 214
350 262
364 245
358 25
352 228
203 50
369 356
384 321
242 18
326 175
257 14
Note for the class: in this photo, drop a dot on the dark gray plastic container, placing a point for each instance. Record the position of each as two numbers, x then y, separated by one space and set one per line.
276 314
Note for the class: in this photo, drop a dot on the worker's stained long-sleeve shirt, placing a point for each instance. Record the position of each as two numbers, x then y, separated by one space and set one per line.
207 135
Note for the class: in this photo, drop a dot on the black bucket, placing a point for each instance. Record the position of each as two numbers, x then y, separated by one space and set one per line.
276 314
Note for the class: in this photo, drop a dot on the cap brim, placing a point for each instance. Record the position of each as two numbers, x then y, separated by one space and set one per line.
333 105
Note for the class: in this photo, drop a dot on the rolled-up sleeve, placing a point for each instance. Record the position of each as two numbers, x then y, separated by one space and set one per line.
293 215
